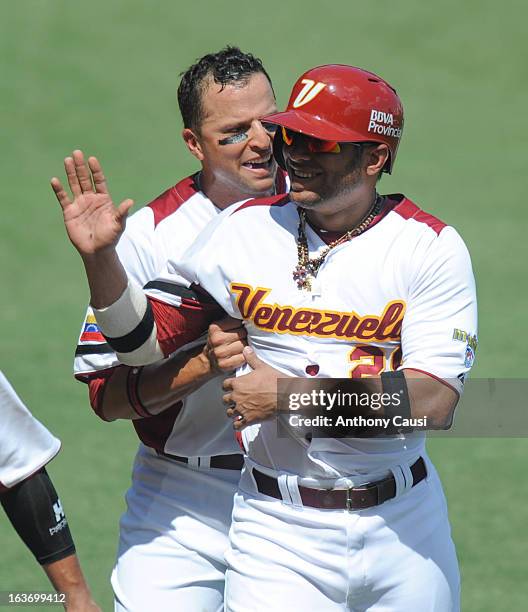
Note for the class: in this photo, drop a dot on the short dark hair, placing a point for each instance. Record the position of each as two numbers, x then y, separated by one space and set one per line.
229 66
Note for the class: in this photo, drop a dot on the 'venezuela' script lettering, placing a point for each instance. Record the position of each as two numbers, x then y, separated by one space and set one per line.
284 319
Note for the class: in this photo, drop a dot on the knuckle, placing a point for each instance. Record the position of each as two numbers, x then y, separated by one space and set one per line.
214 338
218 353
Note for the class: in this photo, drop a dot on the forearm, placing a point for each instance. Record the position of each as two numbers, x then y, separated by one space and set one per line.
66 577
107 278
34 509
417 396
143 330
159 385
129 326
36 514
259 395
430 400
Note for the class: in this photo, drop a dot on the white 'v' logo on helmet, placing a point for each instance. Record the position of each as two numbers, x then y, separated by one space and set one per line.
308 92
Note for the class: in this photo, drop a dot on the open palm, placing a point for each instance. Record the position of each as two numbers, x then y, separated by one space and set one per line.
92 221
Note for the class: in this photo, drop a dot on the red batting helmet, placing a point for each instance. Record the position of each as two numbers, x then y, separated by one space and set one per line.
345 104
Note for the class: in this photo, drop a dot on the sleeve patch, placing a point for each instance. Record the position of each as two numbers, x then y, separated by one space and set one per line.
90 331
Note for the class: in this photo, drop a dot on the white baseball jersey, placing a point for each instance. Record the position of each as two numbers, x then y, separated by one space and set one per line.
157 233
173 535
393 297
25 444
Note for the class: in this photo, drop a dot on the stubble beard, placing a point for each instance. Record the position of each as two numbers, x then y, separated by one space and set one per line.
336 197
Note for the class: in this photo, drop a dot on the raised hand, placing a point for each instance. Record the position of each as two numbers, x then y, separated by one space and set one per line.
92 221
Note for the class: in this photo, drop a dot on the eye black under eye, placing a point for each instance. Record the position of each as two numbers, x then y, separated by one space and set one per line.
236 138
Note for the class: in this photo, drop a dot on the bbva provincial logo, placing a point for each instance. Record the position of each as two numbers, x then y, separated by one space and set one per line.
310 90
383 123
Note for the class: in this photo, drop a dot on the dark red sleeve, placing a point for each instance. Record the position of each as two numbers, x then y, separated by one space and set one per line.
179 325
176 327
96 389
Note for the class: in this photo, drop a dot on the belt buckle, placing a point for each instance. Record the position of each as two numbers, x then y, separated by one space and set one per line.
348 500
363 500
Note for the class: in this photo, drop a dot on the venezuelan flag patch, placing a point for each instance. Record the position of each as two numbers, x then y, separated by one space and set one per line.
91 332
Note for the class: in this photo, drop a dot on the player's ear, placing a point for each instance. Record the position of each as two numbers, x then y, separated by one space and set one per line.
193 143
375 158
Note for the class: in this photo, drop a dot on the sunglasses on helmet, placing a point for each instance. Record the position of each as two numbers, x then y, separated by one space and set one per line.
314 145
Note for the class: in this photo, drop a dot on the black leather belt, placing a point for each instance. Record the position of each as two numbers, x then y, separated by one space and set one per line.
356 498
222 462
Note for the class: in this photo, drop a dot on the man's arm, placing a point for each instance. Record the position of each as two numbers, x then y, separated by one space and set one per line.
131 324
129 392
66 577
34 509
252 398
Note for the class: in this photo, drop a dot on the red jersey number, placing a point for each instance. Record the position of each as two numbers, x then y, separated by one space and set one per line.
372 361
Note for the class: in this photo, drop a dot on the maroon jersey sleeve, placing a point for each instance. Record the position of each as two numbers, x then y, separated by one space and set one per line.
96 387
177 326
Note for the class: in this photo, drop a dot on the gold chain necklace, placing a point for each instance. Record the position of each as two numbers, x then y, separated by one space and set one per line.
307 269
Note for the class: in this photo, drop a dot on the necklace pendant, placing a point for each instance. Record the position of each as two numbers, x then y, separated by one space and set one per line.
305 284
303 278
307 269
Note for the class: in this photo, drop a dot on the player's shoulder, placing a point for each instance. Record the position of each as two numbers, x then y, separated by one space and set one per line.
175 200
240 219
423 236
405 210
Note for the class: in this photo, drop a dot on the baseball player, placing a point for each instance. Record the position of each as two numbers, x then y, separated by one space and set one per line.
332 281
174 532
31 503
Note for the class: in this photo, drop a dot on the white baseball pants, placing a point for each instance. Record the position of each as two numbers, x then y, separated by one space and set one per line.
173 537
395 557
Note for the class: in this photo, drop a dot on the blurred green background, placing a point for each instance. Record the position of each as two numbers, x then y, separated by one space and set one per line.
102 76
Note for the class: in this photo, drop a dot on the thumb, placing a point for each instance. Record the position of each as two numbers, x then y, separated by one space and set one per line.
124 207
122 212
251 358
